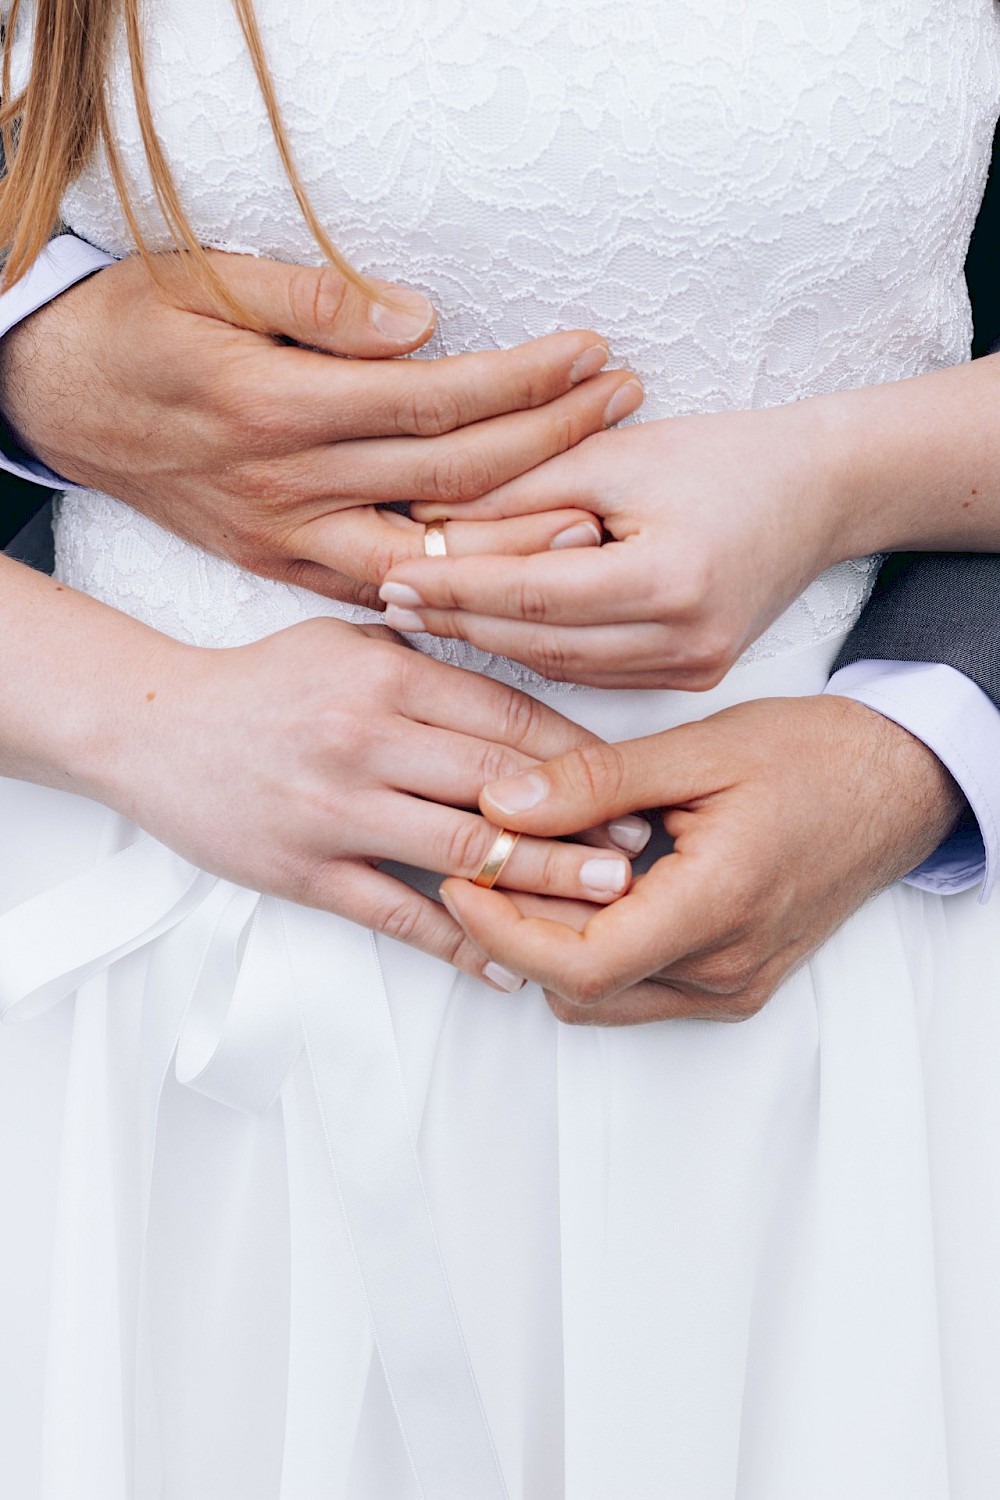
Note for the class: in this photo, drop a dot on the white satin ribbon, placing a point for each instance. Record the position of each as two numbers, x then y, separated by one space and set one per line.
265 980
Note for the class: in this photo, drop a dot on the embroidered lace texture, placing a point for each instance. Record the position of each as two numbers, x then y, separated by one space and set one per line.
755 200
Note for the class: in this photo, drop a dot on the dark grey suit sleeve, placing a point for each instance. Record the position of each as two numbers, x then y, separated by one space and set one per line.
934 607
19 502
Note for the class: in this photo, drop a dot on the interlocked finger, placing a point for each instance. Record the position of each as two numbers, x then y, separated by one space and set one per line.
561 652
338 399
667 914
377 900
365 542
450 842
469 461
606 587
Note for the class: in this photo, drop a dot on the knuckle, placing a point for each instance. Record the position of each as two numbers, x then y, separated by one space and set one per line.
566 1011
316 297
586 989
401 919
306 885
430 412
458 951
704 679
458 475
382 664
552 869
351 735
714 655
742 1007
731 974
310 880
549 657
467 847
596 770
495 763
244 415
682 593
519 718
565 434
527 602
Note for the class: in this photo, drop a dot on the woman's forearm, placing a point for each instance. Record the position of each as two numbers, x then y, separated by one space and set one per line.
74 678
918 462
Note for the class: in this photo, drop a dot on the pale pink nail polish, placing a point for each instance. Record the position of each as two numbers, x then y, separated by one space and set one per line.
400 593
402 619
588 363
606 877
583 534
630 834
625 400
502 978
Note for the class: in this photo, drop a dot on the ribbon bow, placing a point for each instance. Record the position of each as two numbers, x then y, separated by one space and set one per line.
262 984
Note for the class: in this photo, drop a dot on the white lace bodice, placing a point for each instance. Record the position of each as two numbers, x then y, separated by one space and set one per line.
756 200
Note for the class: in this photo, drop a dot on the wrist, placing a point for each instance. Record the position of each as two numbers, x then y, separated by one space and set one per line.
75 686
117 732
912 464
919 802
841 453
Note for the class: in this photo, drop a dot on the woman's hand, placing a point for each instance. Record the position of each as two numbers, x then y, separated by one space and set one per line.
787 815
716 525
296 764
273 454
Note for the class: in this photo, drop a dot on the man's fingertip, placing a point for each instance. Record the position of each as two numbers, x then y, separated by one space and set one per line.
404 317
516 794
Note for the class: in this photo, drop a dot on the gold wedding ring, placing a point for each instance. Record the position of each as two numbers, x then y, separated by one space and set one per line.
492 867
435 542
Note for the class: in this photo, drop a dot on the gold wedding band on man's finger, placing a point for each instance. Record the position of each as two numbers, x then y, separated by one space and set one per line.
435 541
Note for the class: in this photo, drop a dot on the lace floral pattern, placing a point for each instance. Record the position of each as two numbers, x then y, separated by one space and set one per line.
755 200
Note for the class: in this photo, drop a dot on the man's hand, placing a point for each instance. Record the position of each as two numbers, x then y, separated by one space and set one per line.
787 815
273 453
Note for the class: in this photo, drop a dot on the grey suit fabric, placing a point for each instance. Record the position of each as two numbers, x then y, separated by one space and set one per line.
29 525
936 606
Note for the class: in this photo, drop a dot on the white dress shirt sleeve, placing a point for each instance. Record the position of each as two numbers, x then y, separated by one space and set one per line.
954 718
62 263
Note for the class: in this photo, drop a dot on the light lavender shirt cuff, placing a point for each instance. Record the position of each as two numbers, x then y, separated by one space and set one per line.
62 263
954 718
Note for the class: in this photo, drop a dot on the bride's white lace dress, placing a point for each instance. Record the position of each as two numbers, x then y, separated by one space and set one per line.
242 1144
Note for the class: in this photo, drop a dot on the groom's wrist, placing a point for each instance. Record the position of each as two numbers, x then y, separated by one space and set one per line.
63 263
948 713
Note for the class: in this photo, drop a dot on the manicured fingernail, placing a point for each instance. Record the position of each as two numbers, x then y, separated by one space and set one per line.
502 978
624 401
405 317
588 363
630 834
518 793
604 876
399 593
583 534
402 619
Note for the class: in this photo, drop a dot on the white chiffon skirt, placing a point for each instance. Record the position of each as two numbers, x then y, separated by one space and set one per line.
293 1213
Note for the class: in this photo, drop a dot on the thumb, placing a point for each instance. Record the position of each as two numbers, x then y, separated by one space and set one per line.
317 306
595 783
